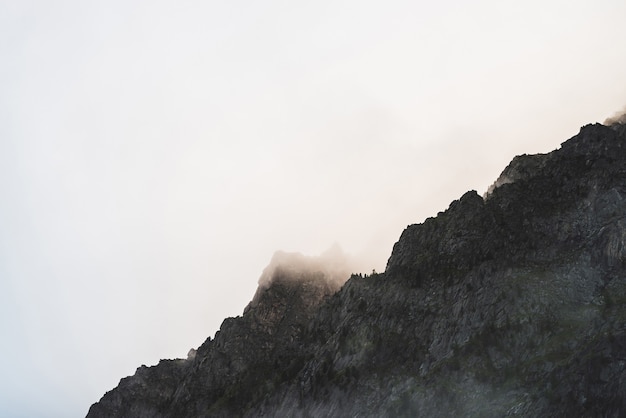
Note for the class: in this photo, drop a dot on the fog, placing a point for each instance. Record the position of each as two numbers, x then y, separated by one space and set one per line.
333 265
155 155
618 117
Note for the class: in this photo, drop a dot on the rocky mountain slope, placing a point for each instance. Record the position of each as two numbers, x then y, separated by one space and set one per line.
511 304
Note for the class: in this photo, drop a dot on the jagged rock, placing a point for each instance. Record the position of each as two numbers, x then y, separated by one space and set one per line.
146 394
509 305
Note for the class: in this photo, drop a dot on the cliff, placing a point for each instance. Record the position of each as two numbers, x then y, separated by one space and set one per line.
511 304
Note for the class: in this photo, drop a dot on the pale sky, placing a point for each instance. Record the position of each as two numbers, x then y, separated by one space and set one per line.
154 155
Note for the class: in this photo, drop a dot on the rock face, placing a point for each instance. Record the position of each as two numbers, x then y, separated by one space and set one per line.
509 305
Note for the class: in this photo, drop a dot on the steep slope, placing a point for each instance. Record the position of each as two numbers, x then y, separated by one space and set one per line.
509 305
248 355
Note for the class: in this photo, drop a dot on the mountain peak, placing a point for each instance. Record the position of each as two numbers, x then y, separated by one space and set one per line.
510 305
617 119
332 267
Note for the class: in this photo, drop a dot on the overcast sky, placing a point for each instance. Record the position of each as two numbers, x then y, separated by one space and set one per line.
154 155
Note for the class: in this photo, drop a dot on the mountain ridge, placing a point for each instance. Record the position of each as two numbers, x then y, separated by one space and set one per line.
511 304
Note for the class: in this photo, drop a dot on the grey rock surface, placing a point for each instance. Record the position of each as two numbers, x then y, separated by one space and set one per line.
509 305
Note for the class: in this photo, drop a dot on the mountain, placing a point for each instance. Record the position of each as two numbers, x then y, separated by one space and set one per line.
510 304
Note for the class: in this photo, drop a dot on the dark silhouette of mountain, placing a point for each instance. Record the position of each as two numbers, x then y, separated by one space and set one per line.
511 304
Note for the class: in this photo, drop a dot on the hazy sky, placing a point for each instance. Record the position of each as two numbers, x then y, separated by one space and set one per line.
154 155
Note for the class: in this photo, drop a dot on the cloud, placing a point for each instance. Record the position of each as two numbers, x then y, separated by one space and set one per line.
334 266
617 118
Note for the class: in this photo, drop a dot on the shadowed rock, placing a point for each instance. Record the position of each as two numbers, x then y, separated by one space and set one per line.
508 305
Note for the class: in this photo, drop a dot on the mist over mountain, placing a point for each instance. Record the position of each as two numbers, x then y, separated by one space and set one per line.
510 304
617 119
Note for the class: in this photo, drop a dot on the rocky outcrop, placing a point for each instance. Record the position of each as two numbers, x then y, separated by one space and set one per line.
248 356
509 305
146 394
